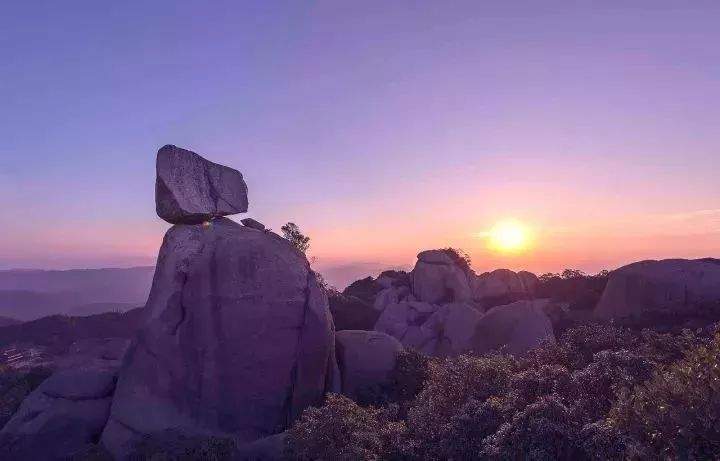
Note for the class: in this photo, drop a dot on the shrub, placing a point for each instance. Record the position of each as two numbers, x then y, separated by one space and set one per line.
15 385
171 445
594 387
342 430
572 286
365 289
677 413
408 378
452 383
469 428
460 258
577 346
542 431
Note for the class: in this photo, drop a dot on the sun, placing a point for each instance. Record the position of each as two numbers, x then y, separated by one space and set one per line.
508 237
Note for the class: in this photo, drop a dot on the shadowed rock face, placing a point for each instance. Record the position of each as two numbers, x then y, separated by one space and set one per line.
518 327
668 284
239 340
366 359
64 414
190 189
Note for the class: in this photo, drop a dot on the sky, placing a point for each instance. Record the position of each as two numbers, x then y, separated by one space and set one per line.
381 128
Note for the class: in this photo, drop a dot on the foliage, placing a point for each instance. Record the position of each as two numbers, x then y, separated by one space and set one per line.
400 278
365 289
460 258
601 392
579 290
15 385
677 413
543 430
452 383
292 232
406 380
342 430
174 446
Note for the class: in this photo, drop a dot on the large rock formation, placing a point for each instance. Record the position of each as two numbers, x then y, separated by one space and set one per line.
65 414
366 359
516 328
238 342
678 285
437 278
191 190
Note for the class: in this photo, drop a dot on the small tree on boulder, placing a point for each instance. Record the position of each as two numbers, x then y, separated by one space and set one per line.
292 232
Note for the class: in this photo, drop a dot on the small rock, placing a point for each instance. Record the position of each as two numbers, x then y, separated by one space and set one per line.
253 224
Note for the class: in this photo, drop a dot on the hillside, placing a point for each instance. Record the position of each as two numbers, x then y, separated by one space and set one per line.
32 294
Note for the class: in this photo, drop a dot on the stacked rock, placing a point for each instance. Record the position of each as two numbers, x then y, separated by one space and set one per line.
238 339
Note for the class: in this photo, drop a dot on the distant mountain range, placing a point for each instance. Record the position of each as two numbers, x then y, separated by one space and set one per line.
31 294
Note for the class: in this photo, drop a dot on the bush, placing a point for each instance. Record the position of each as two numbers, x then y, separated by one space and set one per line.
452 383
365 289
460 258
342 430
409 376
572 286
15 385
677 413
602 392
174 446
542 431
577 346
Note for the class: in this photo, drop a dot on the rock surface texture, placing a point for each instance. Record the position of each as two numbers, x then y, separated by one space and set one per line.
190 189
437 279
238 341
65 414
517 327
502 286
365 358
669 284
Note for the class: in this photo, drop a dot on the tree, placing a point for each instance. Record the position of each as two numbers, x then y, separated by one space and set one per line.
292 232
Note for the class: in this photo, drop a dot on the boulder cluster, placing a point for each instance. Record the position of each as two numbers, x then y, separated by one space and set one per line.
443 308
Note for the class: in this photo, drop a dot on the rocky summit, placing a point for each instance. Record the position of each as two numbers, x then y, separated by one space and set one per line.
190 189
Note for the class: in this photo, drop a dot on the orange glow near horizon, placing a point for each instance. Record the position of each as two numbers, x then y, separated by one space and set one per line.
508 236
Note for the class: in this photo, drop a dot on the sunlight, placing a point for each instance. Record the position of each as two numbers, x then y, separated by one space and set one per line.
509 236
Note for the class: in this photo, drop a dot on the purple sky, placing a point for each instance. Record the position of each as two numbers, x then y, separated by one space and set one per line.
382 128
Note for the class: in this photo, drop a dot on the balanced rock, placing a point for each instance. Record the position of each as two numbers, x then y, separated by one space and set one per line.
516 328
366 359
190 189
238 341
669 284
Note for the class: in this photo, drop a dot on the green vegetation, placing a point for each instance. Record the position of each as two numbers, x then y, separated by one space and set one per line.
600 392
